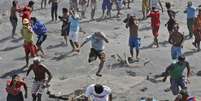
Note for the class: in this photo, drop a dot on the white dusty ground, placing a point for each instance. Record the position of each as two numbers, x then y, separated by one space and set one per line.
73 71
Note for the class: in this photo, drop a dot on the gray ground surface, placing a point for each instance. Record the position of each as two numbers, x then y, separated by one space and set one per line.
64 66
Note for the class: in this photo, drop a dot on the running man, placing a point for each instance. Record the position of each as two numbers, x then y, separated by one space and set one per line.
176 75
172 21
191 15
40 30
155 4
176 39
93 7
13 17
197 30
54 9
97 49
74 30
98 93
83 4
43 3
134 40
14 89
40 81
27 35
145 8
106 5
66 25
155 24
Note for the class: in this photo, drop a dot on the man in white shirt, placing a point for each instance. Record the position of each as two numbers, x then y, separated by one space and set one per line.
98 92
156 4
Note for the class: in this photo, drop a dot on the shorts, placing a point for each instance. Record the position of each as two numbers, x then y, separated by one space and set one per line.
175 52
106 5
37 87
175 83
30 48
41 39
155 30
119 4
94 54
134 42
73 36
18 97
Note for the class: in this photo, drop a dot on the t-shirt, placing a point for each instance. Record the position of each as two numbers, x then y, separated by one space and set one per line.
96 42
104 96
191 12
74 24
14 87
176 71
155 18
39 28
27 33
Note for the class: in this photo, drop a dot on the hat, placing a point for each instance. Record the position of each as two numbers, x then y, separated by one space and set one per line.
25 21
36 59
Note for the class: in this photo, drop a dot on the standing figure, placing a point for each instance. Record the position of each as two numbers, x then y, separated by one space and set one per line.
54 9
93 7
83 4
97 49
40 82
155 24
119 4
145 8
66 25
13 17
29 46
106 5
197 30
40 30
43 3
191 15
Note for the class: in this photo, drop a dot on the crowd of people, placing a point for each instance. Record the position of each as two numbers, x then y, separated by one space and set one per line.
70 31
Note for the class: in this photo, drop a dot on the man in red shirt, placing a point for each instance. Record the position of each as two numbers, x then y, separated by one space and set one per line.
155 24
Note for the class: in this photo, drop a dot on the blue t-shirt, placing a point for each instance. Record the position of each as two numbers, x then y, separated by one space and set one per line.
74 24
39 28
191 12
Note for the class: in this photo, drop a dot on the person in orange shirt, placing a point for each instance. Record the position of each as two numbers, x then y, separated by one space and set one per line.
197 30
14 90
155 24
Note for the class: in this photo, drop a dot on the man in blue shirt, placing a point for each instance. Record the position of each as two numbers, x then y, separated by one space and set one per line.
40 30
74 30
97 49
191 15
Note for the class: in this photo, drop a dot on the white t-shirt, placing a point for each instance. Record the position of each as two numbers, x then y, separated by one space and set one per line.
104 96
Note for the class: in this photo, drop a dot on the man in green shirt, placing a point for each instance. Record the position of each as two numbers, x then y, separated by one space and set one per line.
176 74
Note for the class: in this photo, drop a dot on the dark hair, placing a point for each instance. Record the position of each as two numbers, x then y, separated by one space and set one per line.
34 19
168 5
31 3
153 8
65 10
14 3
13 76
98 88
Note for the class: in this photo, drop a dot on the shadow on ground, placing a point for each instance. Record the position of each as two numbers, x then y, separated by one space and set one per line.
13 72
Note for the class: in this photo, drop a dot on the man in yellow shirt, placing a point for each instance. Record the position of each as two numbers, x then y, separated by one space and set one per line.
27 35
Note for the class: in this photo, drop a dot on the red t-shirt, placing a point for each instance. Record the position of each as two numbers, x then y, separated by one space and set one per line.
155 18
14 87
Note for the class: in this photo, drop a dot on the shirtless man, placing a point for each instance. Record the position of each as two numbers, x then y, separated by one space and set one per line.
13 16
93 8
40 81
97 49
176 39
134 41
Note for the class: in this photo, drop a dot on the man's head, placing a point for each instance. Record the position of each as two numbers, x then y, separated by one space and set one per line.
64 10
36 60
33 20
31 3
190 3
98 88
168 5
25 21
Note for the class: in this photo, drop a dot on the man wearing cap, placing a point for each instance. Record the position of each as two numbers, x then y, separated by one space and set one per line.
98 92
97 43
191 15
134 40
27 35
197 30
176 74
176 39
40 81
